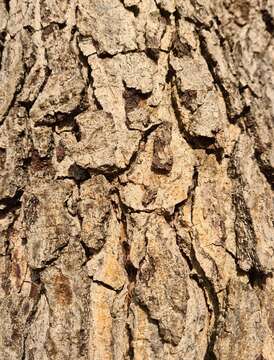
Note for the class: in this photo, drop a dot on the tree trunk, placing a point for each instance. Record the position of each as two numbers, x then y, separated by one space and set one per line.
136 171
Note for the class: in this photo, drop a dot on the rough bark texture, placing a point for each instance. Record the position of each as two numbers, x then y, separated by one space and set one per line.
136 171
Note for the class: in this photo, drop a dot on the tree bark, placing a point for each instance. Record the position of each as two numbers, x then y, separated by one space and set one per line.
136 177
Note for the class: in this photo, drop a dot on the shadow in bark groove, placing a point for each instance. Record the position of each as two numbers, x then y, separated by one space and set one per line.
269 21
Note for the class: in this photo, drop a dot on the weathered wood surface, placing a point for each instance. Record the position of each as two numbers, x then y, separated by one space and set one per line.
136 168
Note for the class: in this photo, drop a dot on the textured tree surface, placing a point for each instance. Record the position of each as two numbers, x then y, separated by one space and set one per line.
136 176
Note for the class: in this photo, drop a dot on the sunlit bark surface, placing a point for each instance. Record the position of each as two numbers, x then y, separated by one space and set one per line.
136 169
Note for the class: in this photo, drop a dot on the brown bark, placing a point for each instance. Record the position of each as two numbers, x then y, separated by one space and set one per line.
136 176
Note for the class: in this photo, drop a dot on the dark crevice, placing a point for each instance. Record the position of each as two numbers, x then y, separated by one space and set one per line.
3 156
170 74
207 286
48 29
90 80
205 283
11 203
265 168
209 144
130 269
264 164
217 20
133 8
218 152
78 173
243 113
163 12
181 49
195 141
29 29
221 38
63 118
190 191
246 239
35 276
89 252
95 99
130 352
28 104
106 55
101 283
131 272
84 61
7 5
198 24
112 173
56 255
179 242
209 355
38 163
60 248
3 35
153 54
20 85
269 21
258 277
200 142
133 98
48 72
243 88
76 131
147 133
212 64
24 348
187 97
200 276
17 91
177 16
73 30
